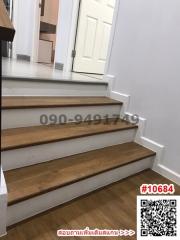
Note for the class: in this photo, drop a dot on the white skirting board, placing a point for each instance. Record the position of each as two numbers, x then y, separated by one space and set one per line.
33 206
140 138
14 118
125 98
54 88
3 205
157 166
26 156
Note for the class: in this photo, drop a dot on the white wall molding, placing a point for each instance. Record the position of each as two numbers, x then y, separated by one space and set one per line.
140 138
158 166
110 79
154 146
168 173
3 205
141 128
125 98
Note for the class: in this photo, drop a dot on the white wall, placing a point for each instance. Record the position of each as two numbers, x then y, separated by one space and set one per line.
24 21
63 30
145 60
66 31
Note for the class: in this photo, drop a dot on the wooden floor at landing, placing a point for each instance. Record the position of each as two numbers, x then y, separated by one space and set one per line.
113 207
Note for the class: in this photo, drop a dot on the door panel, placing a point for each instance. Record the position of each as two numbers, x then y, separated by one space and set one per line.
93 35
111 3
50 11
104 41
90 37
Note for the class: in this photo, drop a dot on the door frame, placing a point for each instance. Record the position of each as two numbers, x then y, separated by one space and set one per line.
15 24
36 31
73 35
68 64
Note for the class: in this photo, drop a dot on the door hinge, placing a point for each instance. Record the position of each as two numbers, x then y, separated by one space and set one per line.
73 53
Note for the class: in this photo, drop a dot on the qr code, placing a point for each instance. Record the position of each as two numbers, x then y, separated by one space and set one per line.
158 216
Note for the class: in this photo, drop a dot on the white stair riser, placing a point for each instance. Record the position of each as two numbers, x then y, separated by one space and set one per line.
28 88
33 206
26 156
14 118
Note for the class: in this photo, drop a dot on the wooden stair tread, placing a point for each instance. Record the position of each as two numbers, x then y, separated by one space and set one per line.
31 181
36 102
29 136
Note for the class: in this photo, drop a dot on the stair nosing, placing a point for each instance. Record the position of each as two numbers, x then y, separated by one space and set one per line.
53 80
61 106
47 190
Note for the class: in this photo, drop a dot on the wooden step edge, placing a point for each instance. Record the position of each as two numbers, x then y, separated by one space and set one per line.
65 105
63 80
69 138
47 102
44 191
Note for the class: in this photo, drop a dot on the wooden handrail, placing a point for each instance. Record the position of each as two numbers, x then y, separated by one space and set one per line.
6 28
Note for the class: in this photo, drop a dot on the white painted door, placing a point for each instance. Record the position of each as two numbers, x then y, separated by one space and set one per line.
95 21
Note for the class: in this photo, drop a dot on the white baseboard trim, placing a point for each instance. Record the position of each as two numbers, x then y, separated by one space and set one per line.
122 98
154 146
110 79
3 205
158 148
3 235
125 98
141 127
157 166
33 206
168 173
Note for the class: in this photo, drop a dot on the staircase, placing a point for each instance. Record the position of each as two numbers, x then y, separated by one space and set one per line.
47 165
